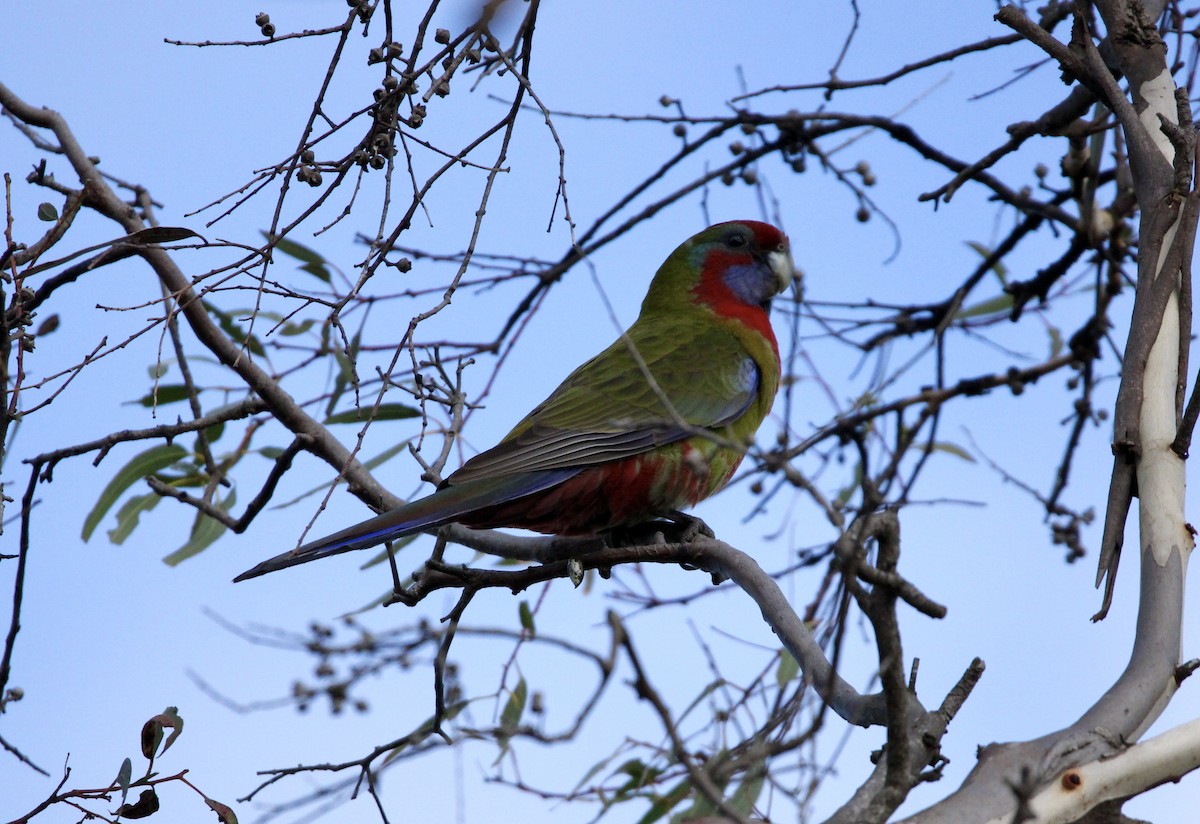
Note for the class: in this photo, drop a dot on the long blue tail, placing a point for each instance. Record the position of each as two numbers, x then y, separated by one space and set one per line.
444 506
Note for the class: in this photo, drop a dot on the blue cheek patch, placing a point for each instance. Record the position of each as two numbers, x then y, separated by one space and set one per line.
751 282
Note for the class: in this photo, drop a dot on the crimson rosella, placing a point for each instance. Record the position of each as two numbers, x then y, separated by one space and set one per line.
653 424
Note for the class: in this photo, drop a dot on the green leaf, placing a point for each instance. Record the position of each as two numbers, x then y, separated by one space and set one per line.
292 329
746 795
170 718
424 729
701 808
699 700
205 530
387 454
231 328
953 449
212 434
526 615
998 267
143 464
189 478
514 708
165 393
47 212
161 234
999 305
293 249
593 771
345 373
1056 341
311 261
640 776
225 815
318 270
124 775
128 515
386 412
788 669
270 452
665 803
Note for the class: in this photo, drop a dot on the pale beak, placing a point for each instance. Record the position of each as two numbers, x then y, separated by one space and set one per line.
780 262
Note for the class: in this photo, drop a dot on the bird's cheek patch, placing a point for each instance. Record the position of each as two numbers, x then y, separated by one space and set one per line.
750 283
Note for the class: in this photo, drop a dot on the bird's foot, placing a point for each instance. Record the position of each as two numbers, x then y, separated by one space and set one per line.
671 528
689 527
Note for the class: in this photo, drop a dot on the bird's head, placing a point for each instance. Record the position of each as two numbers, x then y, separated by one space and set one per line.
730 268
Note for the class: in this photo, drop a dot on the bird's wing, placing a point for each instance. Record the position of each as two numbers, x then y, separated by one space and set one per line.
609 408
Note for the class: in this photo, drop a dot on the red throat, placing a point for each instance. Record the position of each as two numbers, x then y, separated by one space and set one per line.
714 292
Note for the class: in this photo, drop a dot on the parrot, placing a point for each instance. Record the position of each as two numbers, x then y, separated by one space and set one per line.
652 425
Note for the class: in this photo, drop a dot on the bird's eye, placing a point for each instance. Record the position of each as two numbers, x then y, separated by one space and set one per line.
735 241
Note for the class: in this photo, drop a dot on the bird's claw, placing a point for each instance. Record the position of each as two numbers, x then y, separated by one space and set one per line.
690 527
674 527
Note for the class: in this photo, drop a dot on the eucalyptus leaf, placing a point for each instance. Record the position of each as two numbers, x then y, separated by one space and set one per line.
140 466
385 412
205 530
